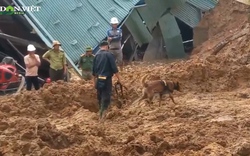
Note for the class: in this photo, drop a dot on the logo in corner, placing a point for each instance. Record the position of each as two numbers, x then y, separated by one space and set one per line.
16 10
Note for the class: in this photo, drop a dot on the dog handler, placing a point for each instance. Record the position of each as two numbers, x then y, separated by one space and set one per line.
104 67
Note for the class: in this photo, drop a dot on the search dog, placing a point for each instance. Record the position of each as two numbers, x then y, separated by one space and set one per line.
160 87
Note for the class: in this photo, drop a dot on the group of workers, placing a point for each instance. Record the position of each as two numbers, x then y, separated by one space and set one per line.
100 67
114 37
54 56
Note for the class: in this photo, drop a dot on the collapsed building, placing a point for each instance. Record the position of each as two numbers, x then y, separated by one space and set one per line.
158 29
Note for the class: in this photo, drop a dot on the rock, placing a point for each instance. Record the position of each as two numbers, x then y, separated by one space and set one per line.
6 108
164 146
4 125
28 135
155 138
129 139
243 149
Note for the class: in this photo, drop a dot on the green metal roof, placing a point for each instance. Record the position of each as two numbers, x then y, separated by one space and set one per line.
172 37
155 9
188 14
203 5
79 23
137 28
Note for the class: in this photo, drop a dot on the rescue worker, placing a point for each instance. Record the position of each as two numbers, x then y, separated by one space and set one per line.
114 36
32 62
86 64
104 67
57 60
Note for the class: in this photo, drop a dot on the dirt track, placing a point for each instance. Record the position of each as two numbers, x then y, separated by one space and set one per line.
211 117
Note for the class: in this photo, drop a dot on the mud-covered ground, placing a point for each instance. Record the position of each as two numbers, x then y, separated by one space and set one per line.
199 124
211 116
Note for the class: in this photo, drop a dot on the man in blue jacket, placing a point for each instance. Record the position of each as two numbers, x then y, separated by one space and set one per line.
104 67
114 38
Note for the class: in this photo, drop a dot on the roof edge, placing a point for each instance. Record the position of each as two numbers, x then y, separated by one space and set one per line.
42 35
192 4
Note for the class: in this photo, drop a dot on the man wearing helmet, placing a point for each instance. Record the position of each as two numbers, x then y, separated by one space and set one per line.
114 38
32 62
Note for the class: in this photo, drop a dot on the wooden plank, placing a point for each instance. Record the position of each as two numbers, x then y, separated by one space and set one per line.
247 2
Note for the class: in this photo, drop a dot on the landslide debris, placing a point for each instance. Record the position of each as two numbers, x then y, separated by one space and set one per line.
211 116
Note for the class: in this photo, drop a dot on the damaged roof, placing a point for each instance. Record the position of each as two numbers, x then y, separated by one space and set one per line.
203 5
190 12
78 23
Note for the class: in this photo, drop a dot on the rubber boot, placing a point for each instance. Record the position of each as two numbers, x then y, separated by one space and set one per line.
103 110
99 104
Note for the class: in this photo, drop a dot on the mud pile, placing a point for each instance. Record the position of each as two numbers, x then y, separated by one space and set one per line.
227 16
226 19
211 116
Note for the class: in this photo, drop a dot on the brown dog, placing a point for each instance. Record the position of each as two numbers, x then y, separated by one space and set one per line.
160 87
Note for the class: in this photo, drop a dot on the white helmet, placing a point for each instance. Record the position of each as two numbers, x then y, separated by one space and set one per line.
114 20
31 47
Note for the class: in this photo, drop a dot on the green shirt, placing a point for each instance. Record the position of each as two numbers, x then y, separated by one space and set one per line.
86 62
57 59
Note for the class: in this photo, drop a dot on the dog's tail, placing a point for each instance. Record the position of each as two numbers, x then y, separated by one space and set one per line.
143 81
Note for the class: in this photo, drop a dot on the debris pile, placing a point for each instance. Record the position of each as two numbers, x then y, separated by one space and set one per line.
210 118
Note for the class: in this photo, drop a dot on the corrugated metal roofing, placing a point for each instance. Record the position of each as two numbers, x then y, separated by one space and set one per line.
188 14
203 5
137 28
79 23
149 13
171 36
169 26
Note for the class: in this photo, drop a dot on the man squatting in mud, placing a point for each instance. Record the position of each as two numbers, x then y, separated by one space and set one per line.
104 67
114 38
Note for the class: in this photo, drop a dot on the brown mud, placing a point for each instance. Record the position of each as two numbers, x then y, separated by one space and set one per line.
211 117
